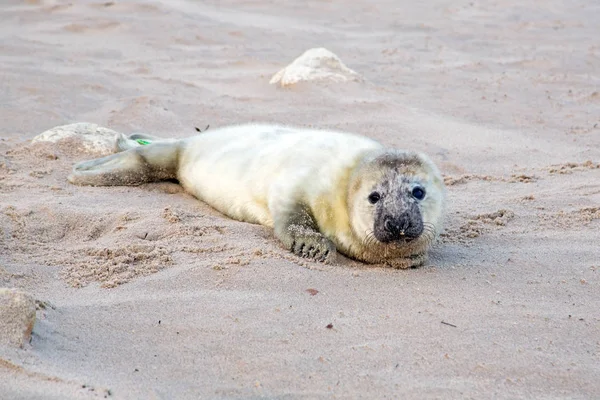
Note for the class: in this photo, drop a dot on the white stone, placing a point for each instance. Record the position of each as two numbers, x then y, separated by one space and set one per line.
315 64
17 317
92 137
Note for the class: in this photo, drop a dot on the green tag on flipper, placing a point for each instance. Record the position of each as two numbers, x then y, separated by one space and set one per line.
142 142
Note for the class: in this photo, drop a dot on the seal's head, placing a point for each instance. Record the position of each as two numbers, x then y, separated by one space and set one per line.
396 203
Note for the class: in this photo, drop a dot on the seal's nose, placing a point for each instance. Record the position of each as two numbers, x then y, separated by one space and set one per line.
397 226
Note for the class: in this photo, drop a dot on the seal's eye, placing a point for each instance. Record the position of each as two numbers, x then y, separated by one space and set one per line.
418 193
374 197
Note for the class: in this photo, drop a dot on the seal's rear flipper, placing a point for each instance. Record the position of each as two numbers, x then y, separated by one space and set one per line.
135 140
136 136
140 164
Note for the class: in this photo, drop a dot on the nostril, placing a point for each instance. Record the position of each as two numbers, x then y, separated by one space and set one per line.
388 225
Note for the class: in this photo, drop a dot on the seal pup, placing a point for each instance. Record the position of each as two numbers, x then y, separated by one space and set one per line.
321 191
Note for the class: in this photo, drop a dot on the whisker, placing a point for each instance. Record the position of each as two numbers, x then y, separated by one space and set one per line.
369 238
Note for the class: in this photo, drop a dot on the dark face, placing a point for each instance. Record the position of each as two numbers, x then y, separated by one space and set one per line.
397 216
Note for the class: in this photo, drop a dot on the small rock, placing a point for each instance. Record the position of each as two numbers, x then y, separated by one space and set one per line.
315 64
17 316
92 137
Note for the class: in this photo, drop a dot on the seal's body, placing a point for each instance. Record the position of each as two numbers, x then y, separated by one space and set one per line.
321 191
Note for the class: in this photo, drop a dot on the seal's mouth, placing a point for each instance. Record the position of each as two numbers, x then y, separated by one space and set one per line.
399 240
406 239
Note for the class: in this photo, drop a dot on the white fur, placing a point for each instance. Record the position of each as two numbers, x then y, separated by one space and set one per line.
251 172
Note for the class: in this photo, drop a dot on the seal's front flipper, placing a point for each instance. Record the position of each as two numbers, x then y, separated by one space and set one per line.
299 233
141 164
311 244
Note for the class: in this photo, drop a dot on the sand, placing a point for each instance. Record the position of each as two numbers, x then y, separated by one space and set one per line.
153 295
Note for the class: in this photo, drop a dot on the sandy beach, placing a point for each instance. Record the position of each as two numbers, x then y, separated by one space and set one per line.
146 293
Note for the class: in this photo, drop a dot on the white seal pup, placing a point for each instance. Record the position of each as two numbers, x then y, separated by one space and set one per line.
322 191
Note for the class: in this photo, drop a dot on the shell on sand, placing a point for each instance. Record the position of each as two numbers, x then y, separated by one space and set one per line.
315 64
92 137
